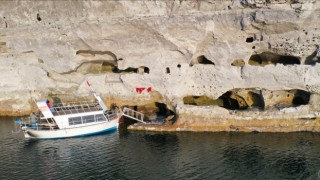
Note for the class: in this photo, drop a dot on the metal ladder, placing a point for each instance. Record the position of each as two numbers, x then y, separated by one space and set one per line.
138 116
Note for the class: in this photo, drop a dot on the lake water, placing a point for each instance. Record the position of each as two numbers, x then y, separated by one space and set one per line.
147 155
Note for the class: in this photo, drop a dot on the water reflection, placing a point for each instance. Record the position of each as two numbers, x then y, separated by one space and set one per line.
240 158
147 155
293 164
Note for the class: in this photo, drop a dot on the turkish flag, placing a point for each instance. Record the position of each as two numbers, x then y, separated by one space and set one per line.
140 90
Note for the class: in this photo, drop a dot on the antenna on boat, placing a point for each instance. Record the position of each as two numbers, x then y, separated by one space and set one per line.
101 103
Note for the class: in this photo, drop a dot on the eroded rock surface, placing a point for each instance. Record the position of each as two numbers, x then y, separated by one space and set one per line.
180 48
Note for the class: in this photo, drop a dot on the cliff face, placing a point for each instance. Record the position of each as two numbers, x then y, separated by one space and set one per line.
239 54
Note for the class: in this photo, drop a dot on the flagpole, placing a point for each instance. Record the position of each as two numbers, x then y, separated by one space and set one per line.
101 103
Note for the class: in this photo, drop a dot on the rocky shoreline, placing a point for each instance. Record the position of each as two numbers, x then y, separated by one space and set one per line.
216 119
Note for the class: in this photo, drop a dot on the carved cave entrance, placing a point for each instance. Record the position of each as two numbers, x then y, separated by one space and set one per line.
266 58
242 99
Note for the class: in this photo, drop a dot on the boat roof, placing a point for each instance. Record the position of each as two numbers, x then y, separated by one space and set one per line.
59 109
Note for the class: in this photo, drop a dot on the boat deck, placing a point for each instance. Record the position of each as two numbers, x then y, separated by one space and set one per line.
74 108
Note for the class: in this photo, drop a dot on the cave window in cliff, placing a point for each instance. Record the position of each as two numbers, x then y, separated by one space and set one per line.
233 102
266 58
146 70
129 70
249 39
202 101
223 101
163 110
38 17
256 100
238 63
301 98
203 60
179 65
168 70
288 98
110 67
157 112
313 58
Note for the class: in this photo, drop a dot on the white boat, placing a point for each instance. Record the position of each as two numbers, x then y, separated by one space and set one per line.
75 119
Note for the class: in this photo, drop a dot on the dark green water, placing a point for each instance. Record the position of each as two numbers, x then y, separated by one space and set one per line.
145 155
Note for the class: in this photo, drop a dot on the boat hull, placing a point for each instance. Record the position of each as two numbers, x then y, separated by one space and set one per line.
87 130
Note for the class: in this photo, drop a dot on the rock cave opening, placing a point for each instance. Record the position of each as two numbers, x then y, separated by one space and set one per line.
301 97
223 101
168 70
146 70
236 99
97 67
233 101
38 17
202 101
238 63
200 60
108 67
255 100
286 98
249 39
266 58
312 59
163 110
156 112
203 60
128 70
143 69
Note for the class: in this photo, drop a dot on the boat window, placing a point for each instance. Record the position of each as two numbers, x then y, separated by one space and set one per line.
100 117
88 119
74 121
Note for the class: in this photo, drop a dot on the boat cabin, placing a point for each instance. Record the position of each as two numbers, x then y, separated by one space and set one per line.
69 115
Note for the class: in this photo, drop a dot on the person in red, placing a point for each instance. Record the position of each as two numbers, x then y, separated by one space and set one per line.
50 106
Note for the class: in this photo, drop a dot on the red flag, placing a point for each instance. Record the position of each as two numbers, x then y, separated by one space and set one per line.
149 89
140 90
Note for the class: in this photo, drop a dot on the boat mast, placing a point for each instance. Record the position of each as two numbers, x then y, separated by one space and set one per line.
101 103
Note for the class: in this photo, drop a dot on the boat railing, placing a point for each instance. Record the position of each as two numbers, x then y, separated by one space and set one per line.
112 116
138 116
72 108
43 124
113 113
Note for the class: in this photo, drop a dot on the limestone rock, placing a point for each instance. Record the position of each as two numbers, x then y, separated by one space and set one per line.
178 48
